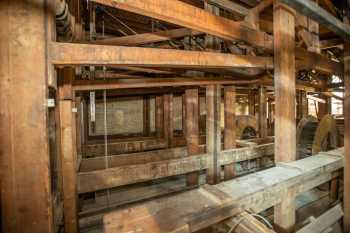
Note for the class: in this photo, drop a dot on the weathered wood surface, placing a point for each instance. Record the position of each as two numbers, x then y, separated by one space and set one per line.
347 137
147 38
146 168
230 127
257 192
26 198
95 150
192 129
323 222
207 208
213 132
285 92
192 17
84 54
85 85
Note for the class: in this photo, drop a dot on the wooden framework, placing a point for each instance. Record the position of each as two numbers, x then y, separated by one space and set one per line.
215 57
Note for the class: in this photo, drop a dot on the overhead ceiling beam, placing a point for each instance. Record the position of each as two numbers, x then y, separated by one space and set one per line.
185 15
83 54
317 13
147 38
84 85
231 7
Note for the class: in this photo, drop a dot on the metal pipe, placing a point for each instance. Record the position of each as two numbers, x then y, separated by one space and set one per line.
317 13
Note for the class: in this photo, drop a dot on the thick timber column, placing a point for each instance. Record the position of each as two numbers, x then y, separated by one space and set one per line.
346 219
192 129
230 127
68 151
285 122
213 132
26 200
262 112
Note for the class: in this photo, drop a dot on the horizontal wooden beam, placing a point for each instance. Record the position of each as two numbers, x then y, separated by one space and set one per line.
154 169
83 85
83 54
186 15
256 192
147 38
132 146
230 6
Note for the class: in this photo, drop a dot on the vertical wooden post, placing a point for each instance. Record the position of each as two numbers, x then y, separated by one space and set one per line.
285 124
262 112
26 198
68 152
251 102
168 119
146 116
230 127
346 219
192 130
184 114
213 132
159 116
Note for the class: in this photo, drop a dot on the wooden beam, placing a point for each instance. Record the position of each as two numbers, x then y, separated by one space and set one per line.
229 127
83 54
347 137
121 147
176 213
285 124
317 13
147 38
139 167
68 151
26 195
230 6
83 85
192 129
213 132
192 17
146 116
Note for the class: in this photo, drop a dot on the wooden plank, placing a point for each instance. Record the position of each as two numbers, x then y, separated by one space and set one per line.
83 54
147 38
174 213
192 17
213 132
226 156
285 130
26 198
346 138
83 85
129 174
324 221
192 129
231 7
229 127
130 146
